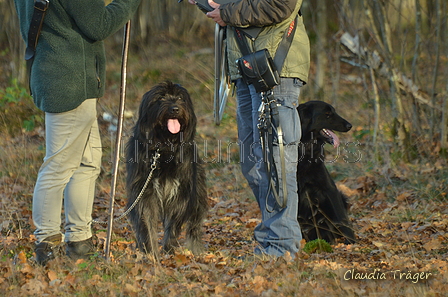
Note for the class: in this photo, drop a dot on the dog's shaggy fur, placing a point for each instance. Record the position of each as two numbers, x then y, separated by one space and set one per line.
177 192
322 207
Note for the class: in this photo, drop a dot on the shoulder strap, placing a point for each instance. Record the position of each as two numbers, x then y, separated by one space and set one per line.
282 50
285 44
242 42
40 8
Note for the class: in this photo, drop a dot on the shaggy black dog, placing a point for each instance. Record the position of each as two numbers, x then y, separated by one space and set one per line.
322 207
176 192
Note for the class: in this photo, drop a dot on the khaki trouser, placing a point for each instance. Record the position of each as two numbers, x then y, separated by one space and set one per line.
68 174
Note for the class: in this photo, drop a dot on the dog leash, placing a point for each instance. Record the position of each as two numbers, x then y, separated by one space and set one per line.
268 110
139 197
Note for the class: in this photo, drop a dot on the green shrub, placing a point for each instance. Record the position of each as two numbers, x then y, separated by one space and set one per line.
17 110
317 246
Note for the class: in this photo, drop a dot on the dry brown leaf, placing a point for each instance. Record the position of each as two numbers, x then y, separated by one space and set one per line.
404 196
129 288
434 244
52 275
27 270
346 190
33 287
181 259
221 264
378 244
95 280
71 279
288 256
220 288
22 257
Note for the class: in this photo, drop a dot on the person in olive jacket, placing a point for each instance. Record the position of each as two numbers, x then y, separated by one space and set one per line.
66 79
279 231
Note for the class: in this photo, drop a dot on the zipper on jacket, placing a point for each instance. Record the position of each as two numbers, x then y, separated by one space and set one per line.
97 73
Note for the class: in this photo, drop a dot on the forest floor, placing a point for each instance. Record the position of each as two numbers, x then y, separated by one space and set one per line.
398 209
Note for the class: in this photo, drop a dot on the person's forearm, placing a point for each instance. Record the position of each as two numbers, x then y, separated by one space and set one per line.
256 12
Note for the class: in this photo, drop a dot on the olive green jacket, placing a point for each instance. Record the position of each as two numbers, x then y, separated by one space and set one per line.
275 17
70 64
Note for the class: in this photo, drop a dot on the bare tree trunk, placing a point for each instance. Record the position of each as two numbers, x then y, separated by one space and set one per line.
418 21
434 117
444 122
10 27
377 107
321 54
144 20
414 70
383 35
172 19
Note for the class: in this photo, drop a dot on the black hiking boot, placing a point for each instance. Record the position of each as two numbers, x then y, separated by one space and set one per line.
80 249
45 250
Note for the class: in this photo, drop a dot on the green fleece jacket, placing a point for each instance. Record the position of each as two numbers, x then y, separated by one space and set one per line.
70 63
274 16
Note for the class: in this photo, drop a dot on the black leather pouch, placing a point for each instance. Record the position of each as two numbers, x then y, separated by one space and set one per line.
258 69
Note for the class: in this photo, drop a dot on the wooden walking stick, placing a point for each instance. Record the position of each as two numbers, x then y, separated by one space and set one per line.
116 160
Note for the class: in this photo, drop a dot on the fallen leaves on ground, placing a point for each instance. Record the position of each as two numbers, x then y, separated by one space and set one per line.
401 249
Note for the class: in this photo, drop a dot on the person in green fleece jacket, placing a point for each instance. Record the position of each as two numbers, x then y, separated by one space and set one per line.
66 79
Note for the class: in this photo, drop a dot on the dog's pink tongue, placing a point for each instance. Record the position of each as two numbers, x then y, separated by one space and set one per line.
173 126
336 141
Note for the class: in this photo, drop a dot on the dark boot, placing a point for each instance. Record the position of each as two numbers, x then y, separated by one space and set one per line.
80 249
45 250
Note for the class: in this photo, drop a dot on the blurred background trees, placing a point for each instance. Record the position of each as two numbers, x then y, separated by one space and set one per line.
383 59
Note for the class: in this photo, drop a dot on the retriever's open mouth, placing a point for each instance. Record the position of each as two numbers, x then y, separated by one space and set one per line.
331 137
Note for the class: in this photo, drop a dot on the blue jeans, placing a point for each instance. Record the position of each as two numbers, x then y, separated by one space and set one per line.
279 230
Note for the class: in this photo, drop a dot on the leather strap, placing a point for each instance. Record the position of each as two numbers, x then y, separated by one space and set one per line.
285 44
242 42
40 8
281 147
283 47
269 118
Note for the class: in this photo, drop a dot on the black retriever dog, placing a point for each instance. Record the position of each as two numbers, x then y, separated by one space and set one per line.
322 207
162 150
